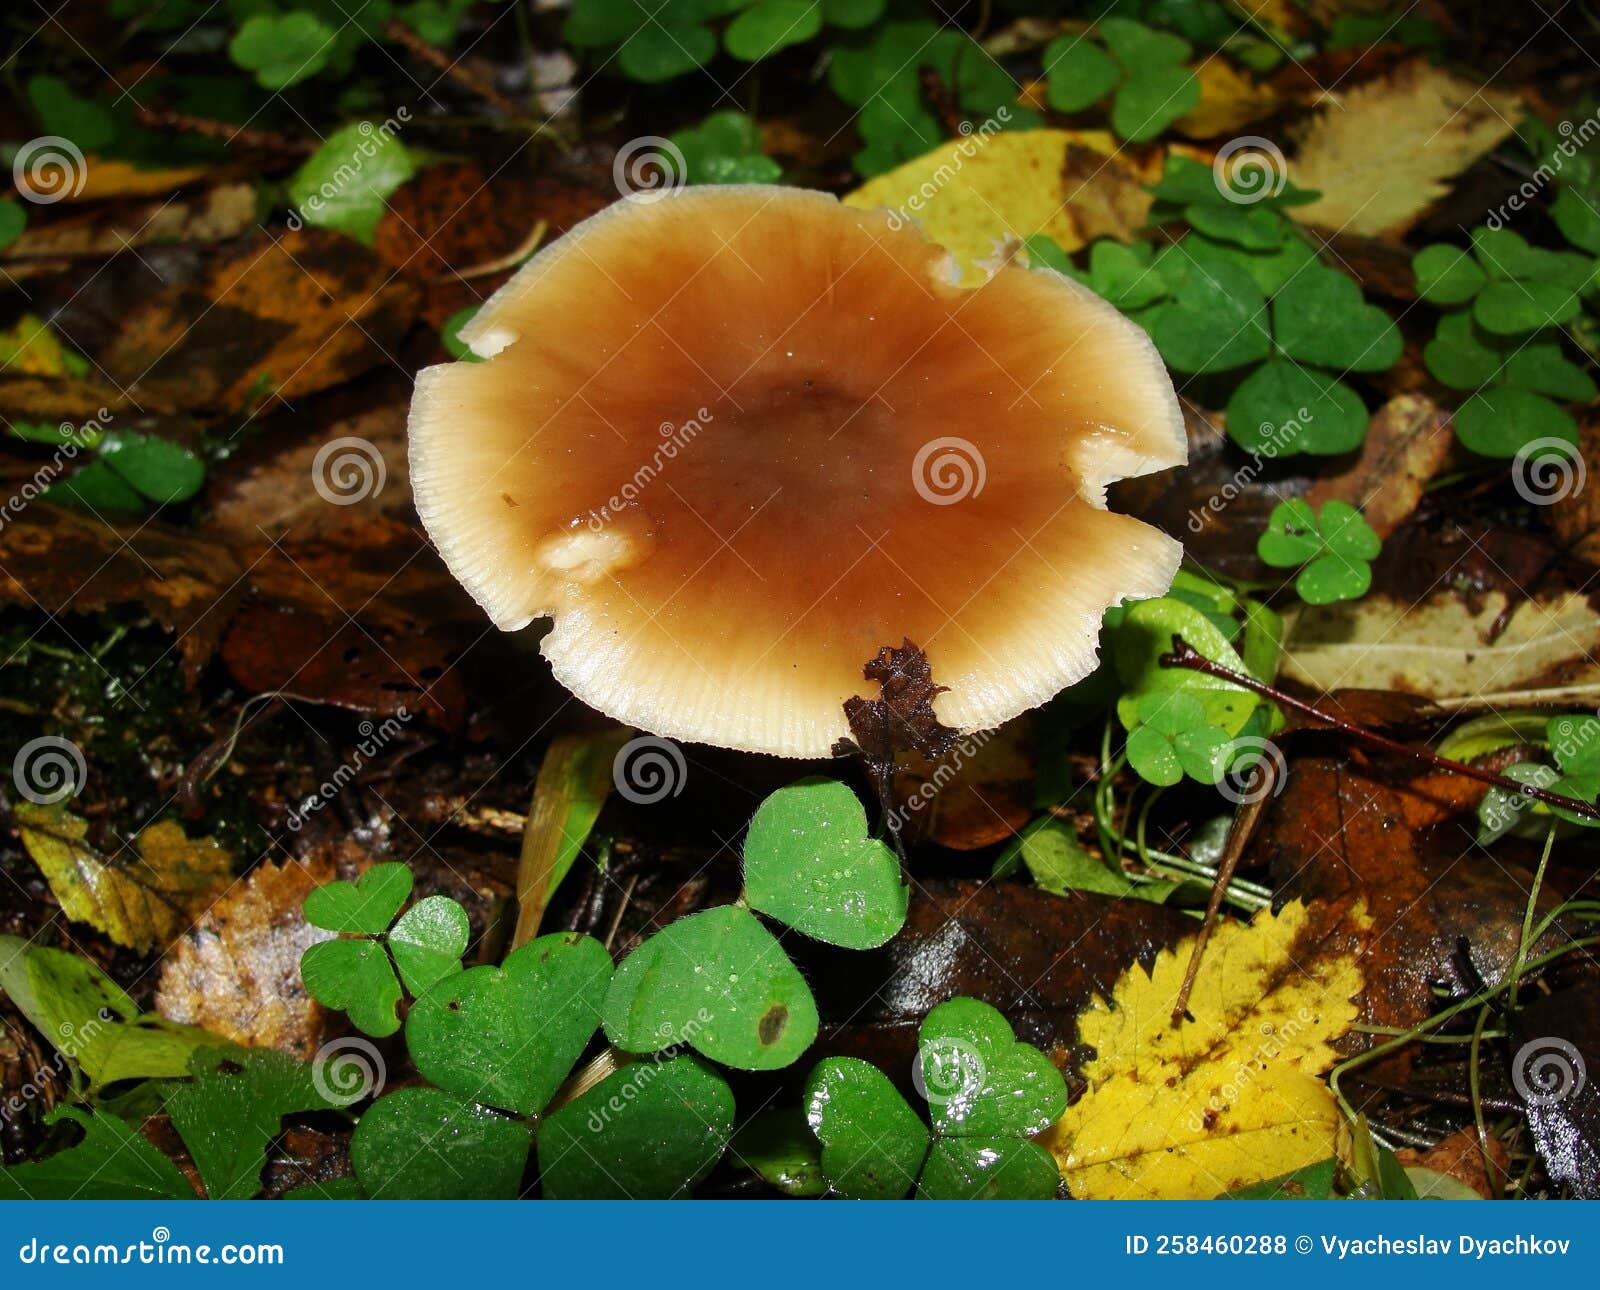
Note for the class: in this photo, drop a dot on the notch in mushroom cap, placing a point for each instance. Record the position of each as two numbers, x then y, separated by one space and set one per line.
732 440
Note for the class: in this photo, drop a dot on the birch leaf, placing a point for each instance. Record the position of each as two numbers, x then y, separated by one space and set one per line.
1386 151
145 901
1234 1095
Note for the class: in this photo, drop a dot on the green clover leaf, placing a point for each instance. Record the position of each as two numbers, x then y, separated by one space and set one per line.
1334 549
873 1143
282 50
1173 739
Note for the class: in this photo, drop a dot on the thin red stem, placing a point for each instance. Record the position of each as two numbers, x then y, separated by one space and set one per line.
1184 655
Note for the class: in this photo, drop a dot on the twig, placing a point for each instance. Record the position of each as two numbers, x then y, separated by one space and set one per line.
1244 824
1186 656
206 128
419 49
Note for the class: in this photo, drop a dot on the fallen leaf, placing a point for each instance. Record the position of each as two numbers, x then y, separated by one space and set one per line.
1384 152
62 562
1445 647
1555 1057
218 324
1228 102
1408 439
1234 1095
236 972
140 903
448 219
1575 512
979 194
209 215
1396 836
1038 958
1460 1156
979 793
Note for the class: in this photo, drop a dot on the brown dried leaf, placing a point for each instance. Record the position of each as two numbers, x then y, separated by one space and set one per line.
294 314
1575 514
1407 441
902 718
1384 152
237 971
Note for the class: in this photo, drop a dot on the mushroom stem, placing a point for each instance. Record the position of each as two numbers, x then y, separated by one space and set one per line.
1186 656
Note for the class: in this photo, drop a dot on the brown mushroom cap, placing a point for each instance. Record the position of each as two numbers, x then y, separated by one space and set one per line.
736 439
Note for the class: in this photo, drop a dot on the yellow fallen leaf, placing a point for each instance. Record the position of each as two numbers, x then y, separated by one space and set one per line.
1384 152
142 902
985 193
30 347
1232 1097
1228 102
104 178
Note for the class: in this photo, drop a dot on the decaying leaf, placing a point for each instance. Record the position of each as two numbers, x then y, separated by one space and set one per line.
143 901
1234 1095
979 793
1446 648
237 970
1575 512
979 194
1407 441
1384 152
291 314
223 211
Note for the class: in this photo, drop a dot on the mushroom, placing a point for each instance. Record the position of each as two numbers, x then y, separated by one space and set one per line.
733 440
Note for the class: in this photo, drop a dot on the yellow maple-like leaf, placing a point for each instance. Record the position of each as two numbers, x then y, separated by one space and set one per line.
984 193
1382 153
1232 1097
142 902
31 348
